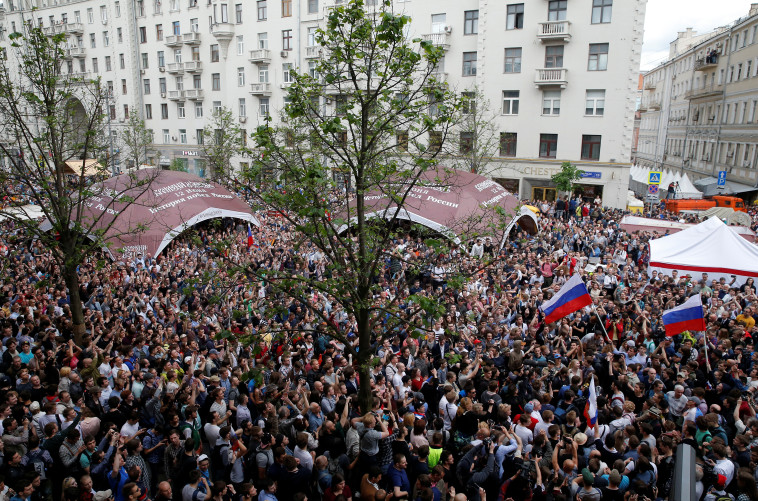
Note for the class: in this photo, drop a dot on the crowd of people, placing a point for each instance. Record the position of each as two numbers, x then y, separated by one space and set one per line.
487 404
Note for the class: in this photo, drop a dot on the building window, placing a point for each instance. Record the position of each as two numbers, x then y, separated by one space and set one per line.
149 111
510 102
548 145
161 59
217 106
180 110
162 84
508 144
179 83
286 8
590 147
515 19
159 32
286 39
106 39
240 45
598 60
176 28
90 16
108 63
123 86
177 55
288 74
216 79
311 36
164 111
468 103
92 41
166 136
595 103
242 107
262 10
601 11
402 141
198 110
551 102
142 34
214 53
556 10
469 64
466 142
513 60
157 7
126 111
240 77
312 6
238 13
144 60
263 104
183 134
313 69
94 65
471 22
554 56
146 85
196 82
435 140
263 73
199 133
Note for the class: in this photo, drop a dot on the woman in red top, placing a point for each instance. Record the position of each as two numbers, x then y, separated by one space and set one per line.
339 487
416 380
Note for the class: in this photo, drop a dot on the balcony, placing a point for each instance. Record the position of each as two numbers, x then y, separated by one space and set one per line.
709 91
649 85
654 105
74 28
223 31
439 39
76 52
81 78
176 95
260 89
313 52
706 63
173 40
193 67
440 76
191 38
554 31
194 94
551 77
260 56
176 68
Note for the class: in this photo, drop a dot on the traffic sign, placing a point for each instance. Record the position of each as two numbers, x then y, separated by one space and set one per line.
654 178
722 178
652 189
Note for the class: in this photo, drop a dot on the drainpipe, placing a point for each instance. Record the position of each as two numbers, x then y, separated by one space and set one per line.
728 41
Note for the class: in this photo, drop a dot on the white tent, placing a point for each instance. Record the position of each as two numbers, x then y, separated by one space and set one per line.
23 212
709 247
688 189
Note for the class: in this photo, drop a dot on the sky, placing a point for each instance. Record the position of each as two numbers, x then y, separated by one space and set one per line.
663 18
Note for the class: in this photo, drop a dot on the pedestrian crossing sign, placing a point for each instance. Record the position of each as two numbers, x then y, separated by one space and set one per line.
654 178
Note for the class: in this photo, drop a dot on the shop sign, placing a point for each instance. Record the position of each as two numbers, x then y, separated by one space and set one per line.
165 161
591 175
191 153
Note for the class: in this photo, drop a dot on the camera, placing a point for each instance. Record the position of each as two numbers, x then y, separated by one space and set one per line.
486 442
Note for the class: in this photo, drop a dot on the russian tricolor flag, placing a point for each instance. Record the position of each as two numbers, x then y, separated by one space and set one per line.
249 236
686 317
573 296
590 408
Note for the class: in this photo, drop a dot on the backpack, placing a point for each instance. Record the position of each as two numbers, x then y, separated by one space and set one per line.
220 471
38 464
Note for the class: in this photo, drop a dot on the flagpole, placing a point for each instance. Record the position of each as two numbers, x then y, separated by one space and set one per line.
602 324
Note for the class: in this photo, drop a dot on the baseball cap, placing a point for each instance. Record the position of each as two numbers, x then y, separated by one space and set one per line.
588 476
202 457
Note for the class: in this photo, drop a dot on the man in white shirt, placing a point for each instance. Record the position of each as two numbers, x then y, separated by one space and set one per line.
522 430
448 409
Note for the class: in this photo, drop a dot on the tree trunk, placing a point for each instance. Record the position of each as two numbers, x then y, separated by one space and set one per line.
365 357
71 278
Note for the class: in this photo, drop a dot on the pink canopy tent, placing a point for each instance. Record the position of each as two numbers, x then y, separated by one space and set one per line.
165 204
451 202
661 227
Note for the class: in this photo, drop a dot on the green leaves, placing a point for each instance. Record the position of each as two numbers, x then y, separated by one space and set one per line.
569 173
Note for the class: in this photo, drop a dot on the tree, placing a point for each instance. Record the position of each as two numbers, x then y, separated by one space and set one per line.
137 141
474 139
53 125
178 164
564 180
222 140
374 116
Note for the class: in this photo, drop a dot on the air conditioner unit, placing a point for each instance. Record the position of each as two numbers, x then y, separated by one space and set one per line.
163 94
243 120
284 53
448 29
162 69
142 72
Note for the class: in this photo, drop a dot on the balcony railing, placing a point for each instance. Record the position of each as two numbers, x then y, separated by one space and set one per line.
260 56
194 94
441 39
554 30
175 67
193 67
260 89
74 28
551 76
313 52
76 52
649 85
191 38
176 95
709 91
223 31
173 40
706 63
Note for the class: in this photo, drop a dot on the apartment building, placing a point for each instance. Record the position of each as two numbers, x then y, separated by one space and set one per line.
561 74
700 107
